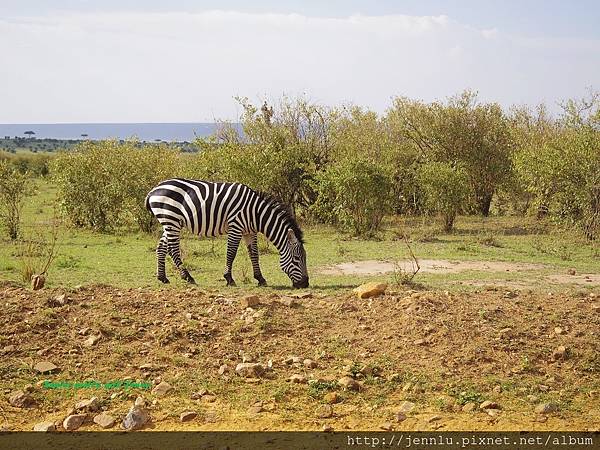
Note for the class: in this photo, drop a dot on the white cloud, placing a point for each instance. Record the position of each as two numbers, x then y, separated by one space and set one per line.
131 67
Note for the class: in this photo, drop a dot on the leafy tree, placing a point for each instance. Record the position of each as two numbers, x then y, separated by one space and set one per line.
446 190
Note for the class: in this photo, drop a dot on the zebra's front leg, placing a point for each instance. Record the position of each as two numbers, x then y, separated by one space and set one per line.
251 241
233 242
161 254
175 252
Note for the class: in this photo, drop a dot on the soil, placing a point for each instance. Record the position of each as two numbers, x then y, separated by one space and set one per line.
373 267
437 350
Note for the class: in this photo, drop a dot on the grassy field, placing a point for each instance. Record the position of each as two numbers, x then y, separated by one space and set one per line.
505 310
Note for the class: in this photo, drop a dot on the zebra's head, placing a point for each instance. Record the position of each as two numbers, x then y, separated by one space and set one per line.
293 261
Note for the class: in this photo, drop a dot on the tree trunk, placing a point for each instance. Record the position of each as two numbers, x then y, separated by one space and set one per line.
484 203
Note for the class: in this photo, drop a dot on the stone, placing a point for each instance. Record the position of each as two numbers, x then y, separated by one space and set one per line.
288 301
434 419
223 369
572 271
489 405
324 411
406 406
105 420
249 370
348 383
469 407
546 408
249 301
558 330
255 409
532 398
332 397
372 289
400 416
74 421
46 367
44 426
387 426
186 416
299 379
92 340
497 389
136 418
560 352
310 364
21 399
88 405
162 388
327 428
140 401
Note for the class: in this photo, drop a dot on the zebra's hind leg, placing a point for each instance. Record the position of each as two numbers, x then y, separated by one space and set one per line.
175 252
161 254
251 241
234 237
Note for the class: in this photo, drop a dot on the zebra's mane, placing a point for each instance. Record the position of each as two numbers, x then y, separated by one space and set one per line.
284 212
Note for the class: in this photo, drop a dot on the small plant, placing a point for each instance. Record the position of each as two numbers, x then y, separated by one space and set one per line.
318 388
14 186
36 256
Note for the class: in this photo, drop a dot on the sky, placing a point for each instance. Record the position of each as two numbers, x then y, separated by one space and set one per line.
185 61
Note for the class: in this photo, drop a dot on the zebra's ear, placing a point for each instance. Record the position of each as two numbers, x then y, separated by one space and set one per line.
292 237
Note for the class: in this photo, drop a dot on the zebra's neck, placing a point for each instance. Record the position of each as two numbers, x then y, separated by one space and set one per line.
273 224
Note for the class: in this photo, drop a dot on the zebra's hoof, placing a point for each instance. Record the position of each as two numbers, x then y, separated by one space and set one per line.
163 280
229 279
262 282
231 283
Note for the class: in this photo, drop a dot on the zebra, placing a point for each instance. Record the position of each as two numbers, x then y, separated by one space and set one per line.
209 209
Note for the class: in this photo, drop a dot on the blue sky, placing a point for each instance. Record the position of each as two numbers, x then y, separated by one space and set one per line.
182 60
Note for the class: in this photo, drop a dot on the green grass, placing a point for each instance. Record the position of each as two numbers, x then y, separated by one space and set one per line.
127 259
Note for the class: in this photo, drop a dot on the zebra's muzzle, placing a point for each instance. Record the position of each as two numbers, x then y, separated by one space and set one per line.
302 284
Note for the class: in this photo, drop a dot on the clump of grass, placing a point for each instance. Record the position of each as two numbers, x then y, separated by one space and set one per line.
319 388
489 240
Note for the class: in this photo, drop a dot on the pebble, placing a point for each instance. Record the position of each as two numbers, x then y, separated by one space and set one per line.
136 418
300 379
546 408
406 406
532 398
387 426
349 384
249 301
74 421
489 405
325 411
105 420
162 388
560 352
469 407
44 426
46 367
186 416
310 364
249 370
332 397
21 399
89 405
223 369
92 340
372 289
400 416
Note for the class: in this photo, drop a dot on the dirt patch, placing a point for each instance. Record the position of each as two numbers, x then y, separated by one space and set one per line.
590 279
374 267
438 351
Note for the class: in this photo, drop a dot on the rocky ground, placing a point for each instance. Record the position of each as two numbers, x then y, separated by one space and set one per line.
495 359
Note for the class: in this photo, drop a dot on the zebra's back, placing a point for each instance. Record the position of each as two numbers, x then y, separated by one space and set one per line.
203 207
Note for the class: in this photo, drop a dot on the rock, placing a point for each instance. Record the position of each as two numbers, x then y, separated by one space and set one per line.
387 426
44 426
21 399
249 301
288 301
249 370
489 405
546 408
497 389
46 367
560 352
105 420
248 359
223 369
186 416
324 411
433 419
189 316
332 397
493 412
349 384
92 340
74 421
400 416
162 388
532 398
572 271
310 364
255 409
469 407
9 349
300 379
369 290
406 406
327 428
558 330
88 405
136 418
140 401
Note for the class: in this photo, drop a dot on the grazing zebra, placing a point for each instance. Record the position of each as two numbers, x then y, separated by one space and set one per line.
212 209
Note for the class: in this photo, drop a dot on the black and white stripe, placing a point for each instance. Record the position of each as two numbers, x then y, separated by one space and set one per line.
212 209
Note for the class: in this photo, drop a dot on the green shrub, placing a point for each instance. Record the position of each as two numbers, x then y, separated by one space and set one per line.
14 186
446 190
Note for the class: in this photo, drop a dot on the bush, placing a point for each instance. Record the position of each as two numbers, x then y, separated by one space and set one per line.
103 184
446 190
355 194
14 186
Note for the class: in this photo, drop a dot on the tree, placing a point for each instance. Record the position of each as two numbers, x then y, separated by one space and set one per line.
14 186
29 133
